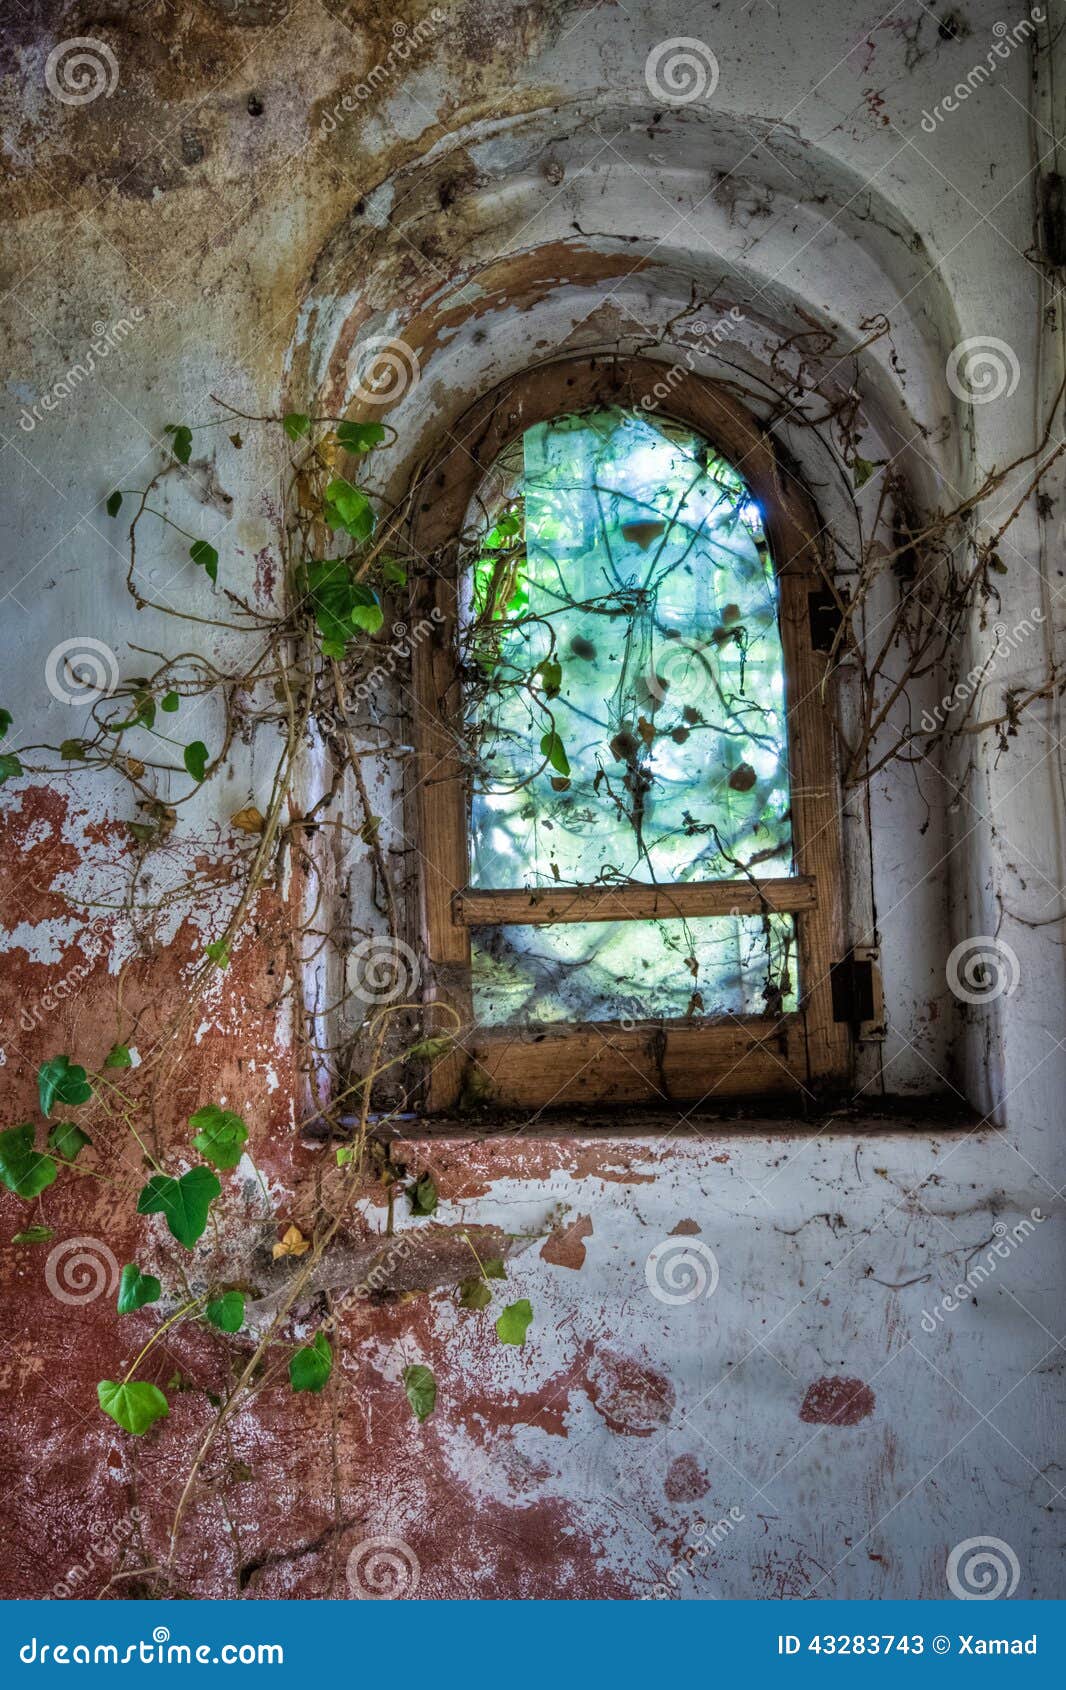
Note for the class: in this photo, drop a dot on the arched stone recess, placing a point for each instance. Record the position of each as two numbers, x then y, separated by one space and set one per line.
770 266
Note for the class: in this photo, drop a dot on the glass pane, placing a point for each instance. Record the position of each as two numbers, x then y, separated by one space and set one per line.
634 970
625 692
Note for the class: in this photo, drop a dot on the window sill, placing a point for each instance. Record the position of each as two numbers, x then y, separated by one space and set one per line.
768 1118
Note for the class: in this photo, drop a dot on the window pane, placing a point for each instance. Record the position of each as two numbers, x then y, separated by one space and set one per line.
634 970
626 553
625 691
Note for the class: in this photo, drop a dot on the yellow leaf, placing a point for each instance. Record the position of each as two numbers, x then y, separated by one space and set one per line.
293 1244
134 767
248 820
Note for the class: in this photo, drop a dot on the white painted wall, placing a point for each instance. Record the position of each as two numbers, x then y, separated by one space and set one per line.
804 183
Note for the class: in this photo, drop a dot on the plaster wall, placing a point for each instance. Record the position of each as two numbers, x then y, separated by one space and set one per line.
264 188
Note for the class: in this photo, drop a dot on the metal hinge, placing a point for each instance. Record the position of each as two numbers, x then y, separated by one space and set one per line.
858 996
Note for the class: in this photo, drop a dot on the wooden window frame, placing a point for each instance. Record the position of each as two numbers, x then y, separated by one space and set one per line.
656 1062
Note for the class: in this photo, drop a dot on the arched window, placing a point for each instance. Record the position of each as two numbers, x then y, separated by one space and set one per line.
626 804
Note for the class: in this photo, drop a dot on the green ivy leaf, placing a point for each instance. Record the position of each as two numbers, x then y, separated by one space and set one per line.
206 557
421 1388
196 759
423 1195
340 604
181 442
427 1050
34 1235
311 1367
505 529
136 1288
863 468
494 1269
551 675
134 1406
61 1081
369 615
118 1057
218 951
66 1139
513 1324
226 1312
552 747
9 766
345 1154
394 572
170 702
359 437
185 1201
220 1135
295 424
474 1294
72 751
145 716
114 504
348 508
6 720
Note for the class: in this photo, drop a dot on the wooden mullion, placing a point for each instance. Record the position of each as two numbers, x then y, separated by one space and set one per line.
540 906
438 808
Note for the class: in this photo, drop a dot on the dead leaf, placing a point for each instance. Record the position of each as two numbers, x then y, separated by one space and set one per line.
292 1244
134 767
164 816
645 729
248 820
624 745
742 778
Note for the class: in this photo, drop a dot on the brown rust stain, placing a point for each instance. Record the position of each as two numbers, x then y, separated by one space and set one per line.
837 1401
634 1398
685 1480
565 1247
